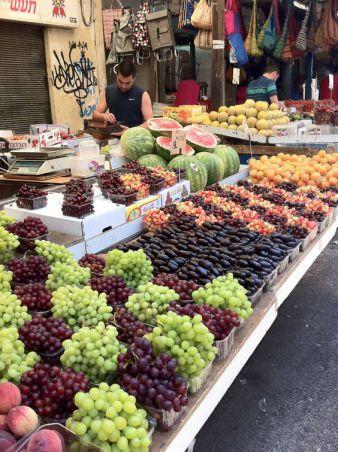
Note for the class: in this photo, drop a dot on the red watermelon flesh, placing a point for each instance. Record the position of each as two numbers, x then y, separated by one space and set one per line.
163 126
163 146
200 139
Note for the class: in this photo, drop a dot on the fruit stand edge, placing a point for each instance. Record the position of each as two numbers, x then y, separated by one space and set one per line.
224 373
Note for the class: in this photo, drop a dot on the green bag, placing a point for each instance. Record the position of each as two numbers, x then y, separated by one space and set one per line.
278 52
261 35
271 32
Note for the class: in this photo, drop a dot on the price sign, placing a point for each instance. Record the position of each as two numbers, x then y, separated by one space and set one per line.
292 110
178 142
331 82
235 76
246 128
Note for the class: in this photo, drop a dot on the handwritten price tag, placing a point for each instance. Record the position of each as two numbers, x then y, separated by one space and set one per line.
246 129
178 143
235 76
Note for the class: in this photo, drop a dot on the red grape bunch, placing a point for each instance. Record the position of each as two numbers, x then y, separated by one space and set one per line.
128 327
33 269
183 288
114 287
35 296
94 262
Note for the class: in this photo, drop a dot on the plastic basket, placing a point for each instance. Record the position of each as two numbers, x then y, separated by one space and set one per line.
294 252
35 314
88 195
165 420
126 200
225 345
156 187
29 244
196 383
322 225
31 203
304 243
270 279
52 358
254 299
78 211
72 441
283 264
24 440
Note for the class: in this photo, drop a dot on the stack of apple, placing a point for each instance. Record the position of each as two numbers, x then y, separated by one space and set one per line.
16 420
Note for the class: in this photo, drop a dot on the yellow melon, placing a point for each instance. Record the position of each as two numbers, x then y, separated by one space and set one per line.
232 120
261 105
253 131
240 110
231 111
232 127
215 124
262 115
222 117
207 122
240 119
262 124
223 109
251 122
225 125
250 103
251 112
274 106
213 115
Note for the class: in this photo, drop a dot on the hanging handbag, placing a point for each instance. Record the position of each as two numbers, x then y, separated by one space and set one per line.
301 41
237 53
108 17
250 43
203 39
112 57
278 51
267 24
186 11
330 27
161 34
201 17
124 34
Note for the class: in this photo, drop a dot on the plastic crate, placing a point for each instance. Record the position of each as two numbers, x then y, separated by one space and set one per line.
283 264
156 187
224 346
35 314
127 200
165 420
254 299
29 244
294 252
196 383
322 225
32 203
270 279
52 358
78 210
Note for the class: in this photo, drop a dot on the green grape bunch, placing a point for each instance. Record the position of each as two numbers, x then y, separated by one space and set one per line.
150 300
53 253
93 351
5 219
5 280
225 292
80 306
186 339
67 274
108 417
12 313
13 359
8 244
133 266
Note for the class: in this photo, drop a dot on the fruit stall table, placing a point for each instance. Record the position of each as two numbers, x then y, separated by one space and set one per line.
223 373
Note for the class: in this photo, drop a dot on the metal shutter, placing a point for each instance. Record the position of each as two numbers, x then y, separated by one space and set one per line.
24 97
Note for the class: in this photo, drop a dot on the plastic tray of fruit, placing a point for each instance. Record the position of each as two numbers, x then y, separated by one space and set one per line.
31 203
294 252
156 187
89 195
224 346
323 224
18 446
165 420
254 299
283 264
125 199
196 383
29 244
78 210
304 243
69 441
332 214
35 314
52 358
270 279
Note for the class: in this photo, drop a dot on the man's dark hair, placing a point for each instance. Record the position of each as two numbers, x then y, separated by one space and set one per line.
271 68
126 68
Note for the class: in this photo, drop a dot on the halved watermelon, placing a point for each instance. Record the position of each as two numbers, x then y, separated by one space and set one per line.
163 146
163 126
200 139
196 171
152 160
230 159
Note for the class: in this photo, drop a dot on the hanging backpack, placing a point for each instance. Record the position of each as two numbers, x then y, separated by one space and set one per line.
250 43
140 37
301 41
121 44
162 39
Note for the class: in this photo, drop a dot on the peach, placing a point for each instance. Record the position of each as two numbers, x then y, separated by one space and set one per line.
22 420
6 441
3 422
44 440
10 396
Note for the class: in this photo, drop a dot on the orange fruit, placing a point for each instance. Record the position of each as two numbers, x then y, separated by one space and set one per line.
305 177
277 179
322 153
315 175
333 181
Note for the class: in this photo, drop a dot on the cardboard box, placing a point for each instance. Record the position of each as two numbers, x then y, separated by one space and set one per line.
285 131
175 193
36 129
27 142
139 208
106 216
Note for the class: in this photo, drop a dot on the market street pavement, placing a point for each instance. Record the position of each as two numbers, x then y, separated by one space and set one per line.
285 399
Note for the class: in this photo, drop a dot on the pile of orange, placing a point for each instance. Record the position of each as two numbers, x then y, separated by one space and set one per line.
321 170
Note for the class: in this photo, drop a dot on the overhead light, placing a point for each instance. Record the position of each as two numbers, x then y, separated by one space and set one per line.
300 5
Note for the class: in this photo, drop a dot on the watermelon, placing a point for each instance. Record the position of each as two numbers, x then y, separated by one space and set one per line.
200 139
151 160
163 148
196 171
230 159
137 142
214 165
163 126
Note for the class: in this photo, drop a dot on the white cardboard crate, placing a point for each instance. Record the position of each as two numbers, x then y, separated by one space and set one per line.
106 216
176 193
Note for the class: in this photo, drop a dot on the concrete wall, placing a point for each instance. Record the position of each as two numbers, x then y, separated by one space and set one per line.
76 68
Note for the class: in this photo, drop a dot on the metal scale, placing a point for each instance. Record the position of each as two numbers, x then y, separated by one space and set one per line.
31 162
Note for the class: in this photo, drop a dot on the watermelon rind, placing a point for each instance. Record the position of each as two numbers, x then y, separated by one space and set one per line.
152 160
163 126
230 158
195 171
162 148
200 139
214 165
137 142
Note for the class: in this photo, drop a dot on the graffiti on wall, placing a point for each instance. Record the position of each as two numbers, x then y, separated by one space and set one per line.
75 75
23 6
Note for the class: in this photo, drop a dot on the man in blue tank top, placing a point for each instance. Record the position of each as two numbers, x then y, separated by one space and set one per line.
124 102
